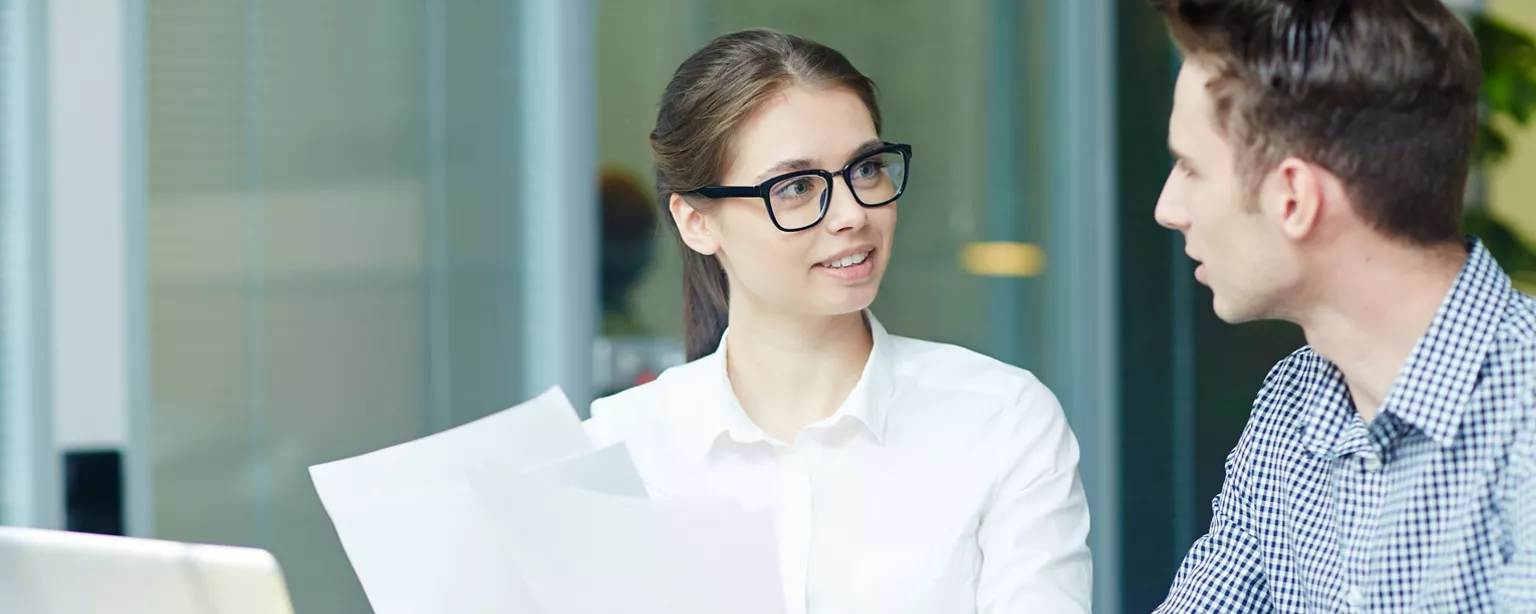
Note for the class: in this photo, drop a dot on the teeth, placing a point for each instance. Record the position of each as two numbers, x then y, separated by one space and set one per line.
848 261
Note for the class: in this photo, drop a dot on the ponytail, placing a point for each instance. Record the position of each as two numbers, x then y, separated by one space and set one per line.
706 303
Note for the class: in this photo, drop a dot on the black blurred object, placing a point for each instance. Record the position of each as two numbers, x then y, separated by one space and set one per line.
629 228
93 491
627 353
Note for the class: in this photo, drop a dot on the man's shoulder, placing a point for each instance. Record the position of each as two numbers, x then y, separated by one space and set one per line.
1511 360
1518 326
1289 391
1289 380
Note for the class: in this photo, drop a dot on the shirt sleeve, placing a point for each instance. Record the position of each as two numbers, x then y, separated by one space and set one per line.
1516 590
1034 535
1223 571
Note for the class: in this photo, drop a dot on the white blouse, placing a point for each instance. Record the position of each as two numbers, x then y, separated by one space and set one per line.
946 483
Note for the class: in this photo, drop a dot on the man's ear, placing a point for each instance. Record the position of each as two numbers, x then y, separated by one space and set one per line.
1295 195
693 226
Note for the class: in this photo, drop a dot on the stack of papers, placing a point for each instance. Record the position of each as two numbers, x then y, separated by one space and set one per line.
519 513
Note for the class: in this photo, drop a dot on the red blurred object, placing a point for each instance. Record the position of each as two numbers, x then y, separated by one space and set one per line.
644 376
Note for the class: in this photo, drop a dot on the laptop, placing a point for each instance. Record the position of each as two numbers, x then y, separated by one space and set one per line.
59 572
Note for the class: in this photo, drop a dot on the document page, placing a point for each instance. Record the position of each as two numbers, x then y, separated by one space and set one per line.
412 528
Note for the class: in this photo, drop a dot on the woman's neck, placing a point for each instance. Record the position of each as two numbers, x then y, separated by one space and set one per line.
791 371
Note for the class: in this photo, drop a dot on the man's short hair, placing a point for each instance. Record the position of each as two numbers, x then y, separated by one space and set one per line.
1382 93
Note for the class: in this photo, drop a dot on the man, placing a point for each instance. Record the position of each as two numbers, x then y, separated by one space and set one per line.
1322 154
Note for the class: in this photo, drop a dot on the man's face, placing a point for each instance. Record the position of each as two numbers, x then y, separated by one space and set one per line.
1238 247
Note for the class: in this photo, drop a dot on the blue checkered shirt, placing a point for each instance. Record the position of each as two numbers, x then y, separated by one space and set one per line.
1429 508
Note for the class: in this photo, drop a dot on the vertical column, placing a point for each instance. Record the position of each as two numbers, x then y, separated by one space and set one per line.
558 196
1157 446
29 463
138 457
439 388
1006 310
95 256
1082 283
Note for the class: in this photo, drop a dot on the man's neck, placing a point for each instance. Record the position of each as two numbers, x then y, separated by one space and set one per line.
1373 310
788 372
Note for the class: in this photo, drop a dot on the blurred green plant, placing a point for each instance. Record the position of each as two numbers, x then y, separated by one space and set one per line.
1509 100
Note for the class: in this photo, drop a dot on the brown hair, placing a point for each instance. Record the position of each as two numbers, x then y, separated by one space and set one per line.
711 95
1383 93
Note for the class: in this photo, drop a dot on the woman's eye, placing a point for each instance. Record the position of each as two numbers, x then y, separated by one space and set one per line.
869 169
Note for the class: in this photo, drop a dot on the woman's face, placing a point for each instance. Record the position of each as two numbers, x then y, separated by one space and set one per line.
831 268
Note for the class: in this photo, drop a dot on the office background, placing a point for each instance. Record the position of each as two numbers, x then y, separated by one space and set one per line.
241 237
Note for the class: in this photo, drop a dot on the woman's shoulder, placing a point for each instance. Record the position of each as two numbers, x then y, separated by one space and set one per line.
954 369
987 403
660 399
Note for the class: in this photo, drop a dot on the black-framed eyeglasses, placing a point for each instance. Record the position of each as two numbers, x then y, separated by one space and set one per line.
799 200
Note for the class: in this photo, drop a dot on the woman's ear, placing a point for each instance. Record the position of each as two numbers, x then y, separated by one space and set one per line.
693 226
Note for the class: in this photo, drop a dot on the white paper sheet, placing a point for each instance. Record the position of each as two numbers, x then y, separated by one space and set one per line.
411 526
609 470
583 551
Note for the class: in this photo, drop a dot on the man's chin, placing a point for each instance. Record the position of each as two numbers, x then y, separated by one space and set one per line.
1233 314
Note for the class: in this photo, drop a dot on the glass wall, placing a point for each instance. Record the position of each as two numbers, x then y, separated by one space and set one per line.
331 253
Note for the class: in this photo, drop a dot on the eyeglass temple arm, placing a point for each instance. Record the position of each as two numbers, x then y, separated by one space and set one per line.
719 191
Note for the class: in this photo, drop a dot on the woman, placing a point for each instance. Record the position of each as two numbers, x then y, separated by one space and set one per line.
905 476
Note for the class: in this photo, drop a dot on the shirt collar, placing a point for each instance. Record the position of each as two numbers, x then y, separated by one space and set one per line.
721 416
1431 391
